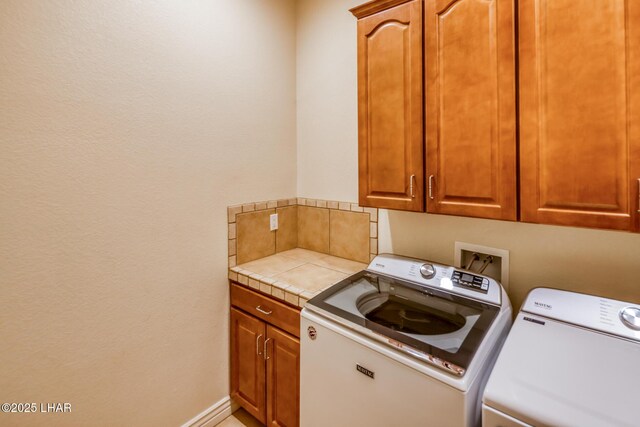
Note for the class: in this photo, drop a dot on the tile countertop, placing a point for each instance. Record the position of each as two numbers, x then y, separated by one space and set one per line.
294 276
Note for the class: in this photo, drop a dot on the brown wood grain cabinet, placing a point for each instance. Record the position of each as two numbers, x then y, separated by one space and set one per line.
531 109
390 105
283 387
471 108
265 359
247 363
469 95
580 112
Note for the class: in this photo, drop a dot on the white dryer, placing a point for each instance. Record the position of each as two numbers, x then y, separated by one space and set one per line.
570 360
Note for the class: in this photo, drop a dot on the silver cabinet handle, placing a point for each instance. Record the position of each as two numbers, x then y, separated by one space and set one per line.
638 195
264 350
258 345
411 179
263 311
431 186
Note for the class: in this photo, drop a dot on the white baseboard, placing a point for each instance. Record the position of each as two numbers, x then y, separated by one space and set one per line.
213 415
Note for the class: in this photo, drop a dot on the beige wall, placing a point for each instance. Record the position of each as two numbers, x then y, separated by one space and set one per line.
592 261
327 110
602 262
126 128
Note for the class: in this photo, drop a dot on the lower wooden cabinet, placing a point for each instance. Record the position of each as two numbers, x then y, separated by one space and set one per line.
247 363
265 369
283 378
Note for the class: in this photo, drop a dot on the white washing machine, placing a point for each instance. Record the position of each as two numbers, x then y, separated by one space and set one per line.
403 343
570 360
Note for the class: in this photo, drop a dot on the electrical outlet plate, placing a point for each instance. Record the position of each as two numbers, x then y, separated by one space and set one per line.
499 269
273 222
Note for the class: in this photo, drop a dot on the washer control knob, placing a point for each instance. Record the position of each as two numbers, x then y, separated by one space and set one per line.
630 317
427 271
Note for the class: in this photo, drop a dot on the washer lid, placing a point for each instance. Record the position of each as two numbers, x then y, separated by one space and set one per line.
441 328
553 373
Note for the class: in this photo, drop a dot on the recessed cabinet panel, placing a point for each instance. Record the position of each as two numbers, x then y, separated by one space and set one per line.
283 390
391 170
386 73
471 122
247 363
579 112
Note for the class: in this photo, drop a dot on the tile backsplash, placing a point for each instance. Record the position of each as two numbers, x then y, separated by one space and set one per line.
340 229
349 235
313 228
254 240
287 233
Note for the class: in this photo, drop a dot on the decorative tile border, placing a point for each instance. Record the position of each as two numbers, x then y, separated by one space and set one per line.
232 211
279 289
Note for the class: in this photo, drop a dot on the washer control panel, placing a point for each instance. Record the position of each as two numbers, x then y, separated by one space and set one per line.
589 311
470 281
439 276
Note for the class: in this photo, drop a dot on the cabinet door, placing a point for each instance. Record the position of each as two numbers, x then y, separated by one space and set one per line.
471 108
390 108
283 378
580 112
247 363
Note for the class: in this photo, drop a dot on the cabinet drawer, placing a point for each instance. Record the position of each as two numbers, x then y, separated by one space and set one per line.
270 310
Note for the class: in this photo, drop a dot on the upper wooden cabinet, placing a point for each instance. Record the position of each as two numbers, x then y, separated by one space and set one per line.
471 108
569 155
580 112
390 105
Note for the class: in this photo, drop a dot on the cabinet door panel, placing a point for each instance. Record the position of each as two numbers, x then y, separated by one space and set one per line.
579 112
247 363
391 170
471 109
283 384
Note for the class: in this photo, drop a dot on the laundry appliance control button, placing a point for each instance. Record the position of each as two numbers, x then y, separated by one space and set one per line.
630 317
427 271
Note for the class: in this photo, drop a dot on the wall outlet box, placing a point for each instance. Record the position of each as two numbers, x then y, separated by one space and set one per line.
498 269
273 222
